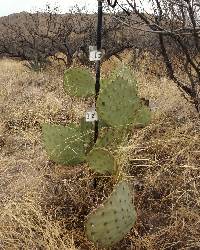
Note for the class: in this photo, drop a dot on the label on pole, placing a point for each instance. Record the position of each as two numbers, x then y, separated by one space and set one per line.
95 55
91 115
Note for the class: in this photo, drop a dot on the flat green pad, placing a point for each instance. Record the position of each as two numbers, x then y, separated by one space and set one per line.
117 103
86 126
87 129
109 223
142 117
64 145
111 137
101 161
126 73
79 82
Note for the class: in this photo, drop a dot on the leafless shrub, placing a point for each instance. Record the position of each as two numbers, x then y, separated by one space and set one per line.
176 26
36 36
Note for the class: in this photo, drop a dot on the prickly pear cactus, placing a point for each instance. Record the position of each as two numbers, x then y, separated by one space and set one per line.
117 103
119 108
65 145
79 82
109 223
102 161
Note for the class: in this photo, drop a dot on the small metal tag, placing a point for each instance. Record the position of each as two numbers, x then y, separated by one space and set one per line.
91 115
95 55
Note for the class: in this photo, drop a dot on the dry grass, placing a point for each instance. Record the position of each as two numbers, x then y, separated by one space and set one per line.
43 205
24 226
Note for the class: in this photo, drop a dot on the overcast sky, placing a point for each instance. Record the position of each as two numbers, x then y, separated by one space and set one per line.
15 6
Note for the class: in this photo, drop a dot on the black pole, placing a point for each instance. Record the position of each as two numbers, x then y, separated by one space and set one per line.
98 63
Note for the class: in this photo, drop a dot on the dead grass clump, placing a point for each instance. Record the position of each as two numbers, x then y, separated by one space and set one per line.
71 193
24 226
163 160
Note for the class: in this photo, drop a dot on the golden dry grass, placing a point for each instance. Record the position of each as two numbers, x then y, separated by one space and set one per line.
43 205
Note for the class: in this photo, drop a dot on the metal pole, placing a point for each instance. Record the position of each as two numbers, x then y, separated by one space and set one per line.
98 63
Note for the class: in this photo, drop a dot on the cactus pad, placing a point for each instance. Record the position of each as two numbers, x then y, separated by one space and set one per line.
87 129
118 102
86 125
102 161
142 116
126 73
109 223
64 145
79 82
111 137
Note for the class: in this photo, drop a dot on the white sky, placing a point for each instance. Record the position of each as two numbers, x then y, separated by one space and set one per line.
14 6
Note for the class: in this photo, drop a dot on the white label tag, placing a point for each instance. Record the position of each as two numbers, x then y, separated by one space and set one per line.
95 55
91 116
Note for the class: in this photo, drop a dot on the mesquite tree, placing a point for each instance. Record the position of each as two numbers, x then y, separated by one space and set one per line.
176 24
36 36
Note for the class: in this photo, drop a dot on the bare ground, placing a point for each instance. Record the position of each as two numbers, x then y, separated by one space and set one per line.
43 205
